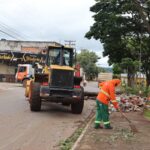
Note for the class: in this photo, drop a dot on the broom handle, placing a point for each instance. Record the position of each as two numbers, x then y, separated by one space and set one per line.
133 128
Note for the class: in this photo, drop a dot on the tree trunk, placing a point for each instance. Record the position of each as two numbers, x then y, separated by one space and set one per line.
147 79
131 79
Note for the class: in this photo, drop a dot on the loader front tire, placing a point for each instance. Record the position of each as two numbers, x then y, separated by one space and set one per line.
35 100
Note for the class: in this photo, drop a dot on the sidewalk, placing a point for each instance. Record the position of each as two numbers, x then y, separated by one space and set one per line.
120 138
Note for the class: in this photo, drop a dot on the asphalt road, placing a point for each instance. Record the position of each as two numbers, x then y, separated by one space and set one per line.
21 129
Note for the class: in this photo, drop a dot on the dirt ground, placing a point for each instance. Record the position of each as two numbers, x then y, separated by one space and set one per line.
121 137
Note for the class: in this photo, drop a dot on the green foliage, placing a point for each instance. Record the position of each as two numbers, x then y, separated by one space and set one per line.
130 90
147 113
131 66
119 133
146 91
111 28
88 60
101 69
68 143
136 90
128 66
121 28
117 69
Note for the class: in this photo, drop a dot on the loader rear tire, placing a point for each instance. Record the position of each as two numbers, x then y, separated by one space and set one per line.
77 107
35 100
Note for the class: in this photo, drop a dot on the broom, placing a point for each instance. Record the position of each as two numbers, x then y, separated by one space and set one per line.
132 126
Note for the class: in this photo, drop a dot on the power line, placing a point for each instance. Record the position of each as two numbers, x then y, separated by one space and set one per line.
10 30
8 34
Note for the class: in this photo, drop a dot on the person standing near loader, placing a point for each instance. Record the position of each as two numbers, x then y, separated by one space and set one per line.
106 95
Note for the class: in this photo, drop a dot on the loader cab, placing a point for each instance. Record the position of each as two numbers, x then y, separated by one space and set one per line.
62 56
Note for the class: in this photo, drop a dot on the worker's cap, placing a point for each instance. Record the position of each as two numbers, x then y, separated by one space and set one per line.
115 82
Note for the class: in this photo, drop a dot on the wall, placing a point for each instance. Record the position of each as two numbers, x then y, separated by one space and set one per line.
104 76
31 49
5 69
17 45
7 73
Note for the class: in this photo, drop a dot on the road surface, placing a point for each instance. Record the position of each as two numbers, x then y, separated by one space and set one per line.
21 129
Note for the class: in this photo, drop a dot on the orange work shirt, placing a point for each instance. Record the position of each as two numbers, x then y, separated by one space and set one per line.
107 94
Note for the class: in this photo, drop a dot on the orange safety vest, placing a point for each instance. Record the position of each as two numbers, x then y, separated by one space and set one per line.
107 92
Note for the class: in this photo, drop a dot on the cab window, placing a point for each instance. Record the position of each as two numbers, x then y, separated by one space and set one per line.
54 55
22 69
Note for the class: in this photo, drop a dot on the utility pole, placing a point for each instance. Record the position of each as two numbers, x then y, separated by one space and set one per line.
70 43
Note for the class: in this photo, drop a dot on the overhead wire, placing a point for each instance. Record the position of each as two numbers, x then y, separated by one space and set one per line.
10 30
8 34
13 32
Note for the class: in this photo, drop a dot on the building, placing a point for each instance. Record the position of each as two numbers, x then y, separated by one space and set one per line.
26 46
7 68
104 76
139 79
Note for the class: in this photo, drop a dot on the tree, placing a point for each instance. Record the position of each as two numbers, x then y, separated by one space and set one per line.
131 68
143 11
88 60
117 69
120 27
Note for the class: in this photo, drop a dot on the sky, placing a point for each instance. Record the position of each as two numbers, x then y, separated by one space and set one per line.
50 20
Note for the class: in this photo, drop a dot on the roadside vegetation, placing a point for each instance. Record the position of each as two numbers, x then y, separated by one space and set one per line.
68 143
87 60
147 113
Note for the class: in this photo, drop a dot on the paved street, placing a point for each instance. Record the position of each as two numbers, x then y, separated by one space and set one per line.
21 129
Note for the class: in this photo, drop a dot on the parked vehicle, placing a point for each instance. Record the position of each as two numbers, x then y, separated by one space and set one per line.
24 72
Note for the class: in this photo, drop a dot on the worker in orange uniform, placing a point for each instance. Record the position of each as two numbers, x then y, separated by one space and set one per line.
106 95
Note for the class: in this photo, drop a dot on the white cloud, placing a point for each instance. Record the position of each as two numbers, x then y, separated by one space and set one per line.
103 61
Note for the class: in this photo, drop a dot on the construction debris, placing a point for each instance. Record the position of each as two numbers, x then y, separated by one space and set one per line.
131 103
126 103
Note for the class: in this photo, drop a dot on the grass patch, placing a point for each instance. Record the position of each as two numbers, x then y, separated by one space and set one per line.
119 134
147 113
123 134
68 143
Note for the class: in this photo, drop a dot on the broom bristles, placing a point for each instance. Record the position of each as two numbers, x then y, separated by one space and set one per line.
133 128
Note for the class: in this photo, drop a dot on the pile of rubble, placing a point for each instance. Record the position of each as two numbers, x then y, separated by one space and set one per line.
131 103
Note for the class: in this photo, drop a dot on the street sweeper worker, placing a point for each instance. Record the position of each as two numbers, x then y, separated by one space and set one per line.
105 96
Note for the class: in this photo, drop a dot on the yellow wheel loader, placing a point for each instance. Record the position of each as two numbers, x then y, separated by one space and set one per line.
57 81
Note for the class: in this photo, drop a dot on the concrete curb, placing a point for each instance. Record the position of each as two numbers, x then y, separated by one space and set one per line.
74 147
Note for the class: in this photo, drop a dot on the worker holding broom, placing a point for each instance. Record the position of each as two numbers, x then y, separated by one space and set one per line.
106 95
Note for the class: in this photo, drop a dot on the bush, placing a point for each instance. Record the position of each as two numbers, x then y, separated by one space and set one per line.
147 113
146 91
142 91
129 90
